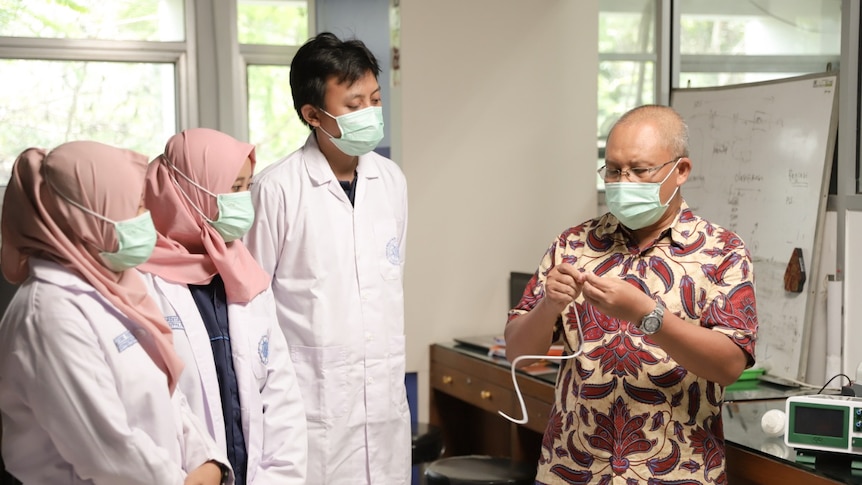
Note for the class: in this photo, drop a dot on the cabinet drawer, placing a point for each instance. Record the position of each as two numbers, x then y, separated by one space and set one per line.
478 392
538 412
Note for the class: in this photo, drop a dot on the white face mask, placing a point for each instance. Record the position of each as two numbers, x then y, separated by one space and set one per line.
637 204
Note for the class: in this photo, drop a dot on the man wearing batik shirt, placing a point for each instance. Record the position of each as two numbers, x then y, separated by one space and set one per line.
666 300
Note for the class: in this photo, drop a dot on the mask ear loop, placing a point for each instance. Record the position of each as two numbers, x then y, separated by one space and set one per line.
174 170
82 209
578 352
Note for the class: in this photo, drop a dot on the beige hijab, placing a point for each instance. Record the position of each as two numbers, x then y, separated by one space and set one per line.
189 250
39 221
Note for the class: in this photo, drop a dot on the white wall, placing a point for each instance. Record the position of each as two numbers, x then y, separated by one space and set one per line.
368 21
497 138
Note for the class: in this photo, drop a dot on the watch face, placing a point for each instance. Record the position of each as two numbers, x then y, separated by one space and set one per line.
651 324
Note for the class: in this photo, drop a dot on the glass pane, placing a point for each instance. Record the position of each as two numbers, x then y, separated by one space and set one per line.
273 125
708 79
761 27
272 22
627 26
600 162
623 85
46 103
152 20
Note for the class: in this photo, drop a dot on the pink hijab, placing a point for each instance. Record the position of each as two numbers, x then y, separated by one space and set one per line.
37 221
189 250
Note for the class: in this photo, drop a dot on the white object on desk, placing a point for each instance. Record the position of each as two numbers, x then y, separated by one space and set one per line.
773 422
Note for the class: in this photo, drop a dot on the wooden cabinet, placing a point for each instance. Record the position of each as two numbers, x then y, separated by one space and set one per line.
466 394
468 389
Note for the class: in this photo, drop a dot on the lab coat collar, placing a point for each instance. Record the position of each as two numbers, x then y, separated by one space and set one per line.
57 274
320 171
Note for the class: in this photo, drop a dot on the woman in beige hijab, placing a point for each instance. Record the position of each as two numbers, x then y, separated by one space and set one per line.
87 364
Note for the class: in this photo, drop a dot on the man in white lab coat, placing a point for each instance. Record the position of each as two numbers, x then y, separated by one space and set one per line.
330 226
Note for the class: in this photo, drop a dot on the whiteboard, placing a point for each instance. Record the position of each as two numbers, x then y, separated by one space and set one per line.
761 162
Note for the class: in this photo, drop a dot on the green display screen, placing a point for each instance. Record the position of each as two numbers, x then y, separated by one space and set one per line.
819 424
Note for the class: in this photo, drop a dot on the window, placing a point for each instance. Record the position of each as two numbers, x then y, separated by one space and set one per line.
270 32
627 62
739 41
126 73
105 71
147 20
714 44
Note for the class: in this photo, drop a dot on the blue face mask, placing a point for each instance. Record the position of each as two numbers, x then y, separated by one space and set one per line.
637 204
361 131
235 210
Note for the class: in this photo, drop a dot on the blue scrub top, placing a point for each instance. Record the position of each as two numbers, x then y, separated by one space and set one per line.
211 301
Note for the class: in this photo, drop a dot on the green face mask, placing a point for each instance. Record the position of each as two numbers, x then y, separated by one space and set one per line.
137 237
235 215
637 204
235 210
361 130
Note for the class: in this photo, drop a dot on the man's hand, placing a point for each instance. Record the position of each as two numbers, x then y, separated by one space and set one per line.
207 474
562 286
615 297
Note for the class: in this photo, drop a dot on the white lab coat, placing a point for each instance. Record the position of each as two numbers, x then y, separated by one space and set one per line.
80 399
337 279
271 405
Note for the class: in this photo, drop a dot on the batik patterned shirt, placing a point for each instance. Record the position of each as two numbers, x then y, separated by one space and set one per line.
625 412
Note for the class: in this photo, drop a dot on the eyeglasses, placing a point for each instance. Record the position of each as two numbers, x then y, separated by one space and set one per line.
635 173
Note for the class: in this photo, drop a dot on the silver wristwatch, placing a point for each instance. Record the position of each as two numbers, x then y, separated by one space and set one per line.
651 323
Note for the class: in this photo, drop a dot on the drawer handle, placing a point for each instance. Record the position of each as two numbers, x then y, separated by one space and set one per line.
447 379
485 394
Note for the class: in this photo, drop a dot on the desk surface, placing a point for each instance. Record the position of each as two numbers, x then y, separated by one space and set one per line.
742 411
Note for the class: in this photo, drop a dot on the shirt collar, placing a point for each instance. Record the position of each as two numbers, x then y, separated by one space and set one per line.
681 232
320 171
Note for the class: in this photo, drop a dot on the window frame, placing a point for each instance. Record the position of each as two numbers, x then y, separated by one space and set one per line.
210 64
670 63
177 53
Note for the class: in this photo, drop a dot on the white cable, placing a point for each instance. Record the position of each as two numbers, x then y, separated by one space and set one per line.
578 352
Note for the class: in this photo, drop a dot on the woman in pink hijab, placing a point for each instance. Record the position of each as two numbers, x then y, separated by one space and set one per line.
87 365
239 377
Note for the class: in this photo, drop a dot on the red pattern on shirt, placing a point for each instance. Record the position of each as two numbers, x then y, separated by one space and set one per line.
626 412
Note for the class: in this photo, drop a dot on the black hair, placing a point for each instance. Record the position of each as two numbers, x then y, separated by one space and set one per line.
322 57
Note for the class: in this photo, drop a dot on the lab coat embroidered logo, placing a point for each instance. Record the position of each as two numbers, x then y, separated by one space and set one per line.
392 251
174 322
263 349
125 340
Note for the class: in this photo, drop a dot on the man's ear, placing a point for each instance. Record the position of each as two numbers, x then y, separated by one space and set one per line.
311 115
683 170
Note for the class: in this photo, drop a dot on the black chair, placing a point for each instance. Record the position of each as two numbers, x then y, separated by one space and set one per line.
427 443
479 470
